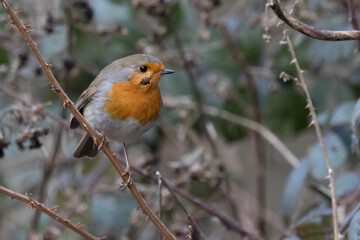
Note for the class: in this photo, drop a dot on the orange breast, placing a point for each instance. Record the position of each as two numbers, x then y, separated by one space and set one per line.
125 100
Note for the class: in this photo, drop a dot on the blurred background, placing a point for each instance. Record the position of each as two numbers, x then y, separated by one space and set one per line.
233 76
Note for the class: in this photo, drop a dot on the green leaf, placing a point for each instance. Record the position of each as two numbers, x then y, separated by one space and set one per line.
337 152
342 114
293 187
4 58
346 183
313 231
251 43
284 110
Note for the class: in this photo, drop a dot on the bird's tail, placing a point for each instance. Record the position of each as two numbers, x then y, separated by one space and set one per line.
86 147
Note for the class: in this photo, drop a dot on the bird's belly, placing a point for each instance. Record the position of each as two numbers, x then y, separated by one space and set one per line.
125 130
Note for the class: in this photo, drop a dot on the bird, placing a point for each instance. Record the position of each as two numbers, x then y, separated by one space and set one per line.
122 103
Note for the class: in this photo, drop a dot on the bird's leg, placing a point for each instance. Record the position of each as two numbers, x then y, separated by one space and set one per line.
127 171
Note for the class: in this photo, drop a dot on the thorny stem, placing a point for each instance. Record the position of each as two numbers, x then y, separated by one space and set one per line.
314 122
68 103
48 211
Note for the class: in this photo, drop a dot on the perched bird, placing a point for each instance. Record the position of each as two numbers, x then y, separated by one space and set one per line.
122 103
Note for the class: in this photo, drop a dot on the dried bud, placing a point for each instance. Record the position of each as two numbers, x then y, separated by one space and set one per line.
69 63
85 11
50 23
3 144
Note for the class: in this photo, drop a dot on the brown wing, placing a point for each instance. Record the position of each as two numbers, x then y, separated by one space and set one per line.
85 98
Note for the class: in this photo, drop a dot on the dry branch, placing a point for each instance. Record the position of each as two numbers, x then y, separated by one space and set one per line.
193 222
48 211
242 121
68 103
309 30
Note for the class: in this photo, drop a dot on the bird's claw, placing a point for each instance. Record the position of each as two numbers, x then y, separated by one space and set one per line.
128 182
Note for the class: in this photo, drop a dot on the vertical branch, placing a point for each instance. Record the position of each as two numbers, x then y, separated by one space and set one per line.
195 89
314 122
257 141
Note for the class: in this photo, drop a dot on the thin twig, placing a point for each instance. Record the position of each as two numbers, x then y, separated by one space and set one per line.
193 223
97 138
309 30
160 198
48 211
314 122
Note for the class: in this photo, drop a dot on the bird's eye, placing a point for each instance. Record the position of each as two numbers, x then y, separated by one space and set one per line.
143 69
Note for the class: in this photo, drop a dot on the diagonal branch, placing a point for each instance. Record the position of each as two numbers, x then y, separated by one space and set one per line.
193 223
97 138
242 121
48 211
309 30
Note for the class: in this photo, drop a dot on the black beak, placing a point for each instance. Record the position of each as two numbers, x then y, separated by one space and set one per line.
166 71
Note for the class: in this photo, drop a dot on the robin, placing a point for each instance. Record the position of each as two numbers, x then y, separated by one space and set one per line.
122 103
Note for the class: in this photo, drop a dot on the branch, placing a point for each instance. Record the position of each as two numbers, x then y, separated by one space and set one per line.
48 211
226 220
242 121
315 122
309 30
193 223
97 138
